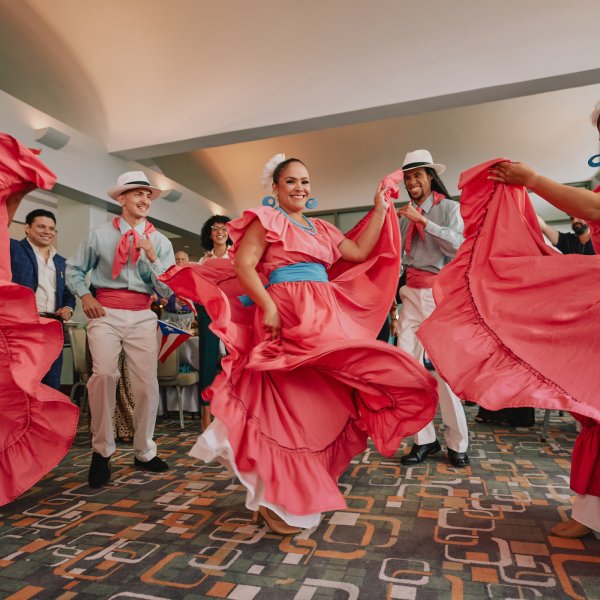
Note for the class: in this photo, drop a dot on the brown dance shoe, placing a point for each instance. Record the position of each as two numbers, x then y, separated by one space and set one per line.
274 522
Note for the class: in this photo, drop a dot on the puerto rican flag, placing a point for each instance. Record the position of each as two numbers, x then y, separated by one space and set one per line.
169 339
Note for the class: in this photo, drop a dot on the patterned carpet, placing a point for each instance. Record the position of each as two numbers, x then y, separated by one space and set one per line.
420 533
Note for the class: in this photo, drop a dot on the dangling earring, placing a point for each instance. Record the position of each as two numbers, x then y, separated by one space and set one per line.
311 203
269 201
594 162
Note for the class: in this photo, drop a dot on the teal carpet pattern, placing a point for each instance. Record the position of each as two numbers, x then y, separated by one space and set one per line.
419 533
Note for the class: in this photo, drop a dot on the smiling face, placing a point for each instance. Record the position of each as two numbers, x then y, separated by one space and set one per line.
418 184
135 203
292 189
218 234
41 232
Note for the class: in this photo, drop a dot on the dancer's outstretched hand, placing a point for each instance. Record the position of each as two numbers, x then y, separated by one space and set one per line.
512 173
379 201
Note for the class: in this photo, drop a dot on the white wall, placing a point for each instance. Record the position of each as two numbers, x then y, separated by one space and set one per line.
86 170
550 131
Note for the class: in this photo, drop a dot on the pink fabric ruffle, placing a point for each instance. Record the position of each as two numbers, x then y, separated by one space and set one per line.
514 322
38 423
299 409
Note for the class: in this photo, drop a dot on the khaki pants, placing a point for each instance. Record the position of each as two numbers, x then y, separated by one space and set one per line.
134 331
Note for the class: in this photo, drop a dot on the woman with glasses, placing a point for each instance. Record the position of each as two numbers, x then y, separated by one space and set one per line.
214 237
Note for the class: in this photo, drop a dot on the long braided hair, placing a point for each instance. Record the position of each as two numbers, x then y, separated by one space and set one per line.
437 184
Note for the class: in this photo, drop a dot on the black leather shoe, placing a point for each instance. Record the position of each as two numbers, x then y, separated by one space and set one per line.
156 465
458 459
419 453
100 470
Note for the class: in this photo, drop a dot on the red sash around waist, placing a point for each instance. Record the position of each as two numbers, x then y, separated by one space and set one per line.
418 279
124 299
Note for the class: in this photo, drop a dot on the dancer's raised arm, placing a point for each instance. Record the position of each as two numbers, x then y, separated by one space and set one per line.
578 202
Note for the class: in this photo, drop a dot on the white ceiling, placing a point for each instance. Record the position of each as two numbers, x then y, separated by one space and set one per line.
207 91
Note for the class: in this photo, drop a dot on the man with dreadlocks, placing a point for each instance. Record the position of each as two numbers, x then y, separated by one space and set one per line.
431 228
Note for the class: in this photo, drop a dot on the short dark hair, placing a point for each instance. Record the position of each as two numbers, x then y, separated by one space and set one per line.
282 165
205 238
39 212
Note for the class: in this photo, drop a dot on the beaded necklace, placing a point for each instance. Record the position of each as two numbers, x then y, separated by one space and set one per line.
310 229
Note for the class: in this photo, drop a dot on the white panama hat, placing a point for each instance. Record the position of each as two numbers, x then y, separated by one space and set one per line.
421 159
133 180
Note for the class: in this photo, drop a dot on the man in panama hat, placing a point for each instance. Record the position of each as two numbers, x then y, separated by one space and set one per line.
124 258
431 228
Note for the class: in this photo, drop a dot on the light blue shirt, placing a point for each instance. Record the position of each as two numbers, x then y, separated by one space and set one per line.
96 253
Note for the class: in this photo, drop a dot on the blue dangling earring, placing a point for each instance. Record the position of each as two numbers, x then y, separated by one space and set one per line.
594 162
269 201
311 203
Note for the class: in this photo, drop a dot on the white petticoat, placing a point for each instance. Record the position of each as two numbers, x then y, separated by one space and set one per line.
213 445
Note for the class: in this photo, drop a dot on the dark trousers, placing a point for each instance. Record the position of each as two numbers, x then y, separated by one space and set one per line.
384 334
209 351
52 377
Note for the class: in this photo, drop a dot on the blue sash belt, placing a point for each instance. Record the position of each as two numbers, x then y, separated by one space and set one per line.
297 272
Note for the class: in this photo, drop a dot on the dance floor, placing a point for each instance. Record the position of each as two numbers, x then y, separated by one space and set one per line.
425 532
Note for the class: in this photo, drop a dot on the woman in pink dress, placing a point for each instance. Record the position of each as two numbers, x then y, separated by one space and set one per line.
516 322
38 423
305 382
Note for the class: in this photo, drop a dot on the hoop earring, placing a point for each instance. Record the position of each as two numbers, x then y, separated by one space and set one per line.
311 203
594 162
269 201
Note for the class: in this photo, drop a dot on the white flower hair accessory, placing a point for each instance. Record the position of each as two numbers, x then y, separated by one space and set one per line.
270 165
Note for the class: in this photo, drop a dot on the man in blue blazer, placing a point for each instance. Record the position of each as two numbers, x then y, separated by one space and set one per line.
36 265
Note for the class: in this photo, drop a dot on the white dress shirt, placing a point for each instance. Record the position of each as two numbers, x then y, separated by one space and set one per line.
45 294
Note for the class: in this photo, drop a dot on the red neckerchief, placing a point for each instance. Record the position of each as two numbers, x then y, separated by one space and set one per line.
125 247
417 227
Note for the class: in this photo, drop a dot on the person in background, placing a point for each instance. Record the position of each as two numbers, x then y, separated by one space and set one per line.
578 242
181 257
124 257
36 265
175 311
215 241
